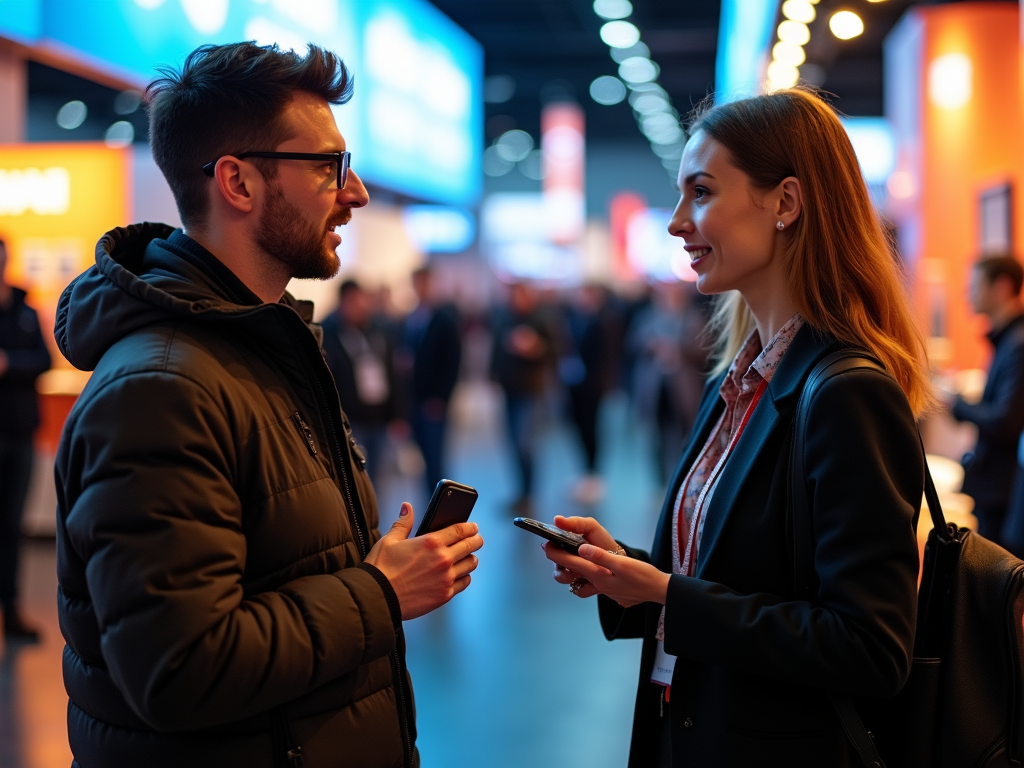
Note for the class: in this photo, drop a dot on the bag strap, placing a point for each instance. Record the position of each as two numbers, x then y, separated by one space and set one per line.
805 577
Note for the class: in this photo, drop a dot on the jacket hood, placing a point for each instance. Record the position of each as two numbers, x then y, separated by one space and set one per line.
138 280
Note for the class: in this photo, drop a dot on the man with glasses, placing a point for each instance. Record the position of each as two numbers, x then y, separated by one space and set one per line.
225 594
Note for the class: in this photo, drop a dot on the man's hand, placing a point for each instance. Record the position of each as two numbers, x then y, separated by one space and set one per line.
426 571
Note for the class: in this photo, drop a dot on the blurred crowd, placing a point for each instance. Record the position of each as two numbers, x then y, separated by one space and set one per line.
549 351
560 352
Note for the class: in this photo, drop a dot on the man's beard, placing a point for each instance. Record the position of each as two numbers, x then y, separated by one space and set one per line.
285 234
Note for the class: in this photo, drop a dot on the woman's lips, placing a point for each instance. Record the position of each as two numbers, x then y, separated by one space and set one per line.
696 254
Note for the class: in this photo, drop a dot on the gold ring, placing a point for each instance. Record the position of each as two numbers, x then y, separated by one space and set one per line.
576 585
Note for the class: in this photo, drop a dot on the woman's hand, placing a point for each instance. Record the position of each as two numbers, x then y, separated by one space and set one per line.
625 580
593 532
598 570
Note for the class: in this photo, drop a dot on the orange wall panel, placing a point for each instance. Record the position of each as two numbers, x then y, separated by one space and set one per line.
966 148
56 200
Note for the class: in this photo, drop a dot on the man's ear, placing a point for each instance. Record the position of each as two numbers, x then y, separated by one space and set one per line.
237 183
789 198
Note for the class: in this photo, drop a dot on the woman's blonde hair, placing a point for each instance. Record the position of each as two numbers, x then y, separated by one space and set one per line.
845 278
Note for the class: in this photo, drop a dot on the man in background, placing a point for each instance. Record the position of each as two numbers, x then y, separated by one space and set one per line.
23 356
429 359
521 363
359 353
995 287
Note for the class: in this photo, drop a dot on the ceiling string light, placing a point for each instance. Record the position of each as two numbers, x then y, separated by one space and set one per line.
652 106
788 53
845 25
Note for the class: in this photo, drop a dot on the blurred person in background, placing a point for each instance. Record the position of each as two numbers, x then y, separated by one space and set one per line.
360 355
671 356
744 652
1012 534
521 364
23 357
226 595
586 368
428 360
995 292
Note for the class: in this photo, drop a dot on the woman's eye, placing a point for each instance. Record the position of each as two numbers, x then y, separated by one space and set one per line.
699 192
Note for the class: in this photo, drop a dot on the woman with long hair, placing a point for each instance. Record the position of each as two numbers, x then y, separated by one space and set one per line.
737 664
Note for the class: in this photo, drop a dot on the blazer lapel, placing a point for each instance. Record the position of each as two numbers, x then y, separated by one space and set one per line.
805 350
710 410
763 420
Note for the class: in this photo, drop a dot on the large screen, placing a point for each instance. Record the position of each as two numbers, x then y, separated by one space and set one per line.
21 20
416 120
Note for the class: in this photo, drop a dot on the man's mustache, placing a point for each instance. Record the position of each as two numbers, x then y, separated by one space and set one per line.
342 219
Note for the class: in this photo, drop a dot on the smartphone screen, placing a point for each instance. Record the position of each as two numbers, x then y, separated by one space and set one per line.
450 503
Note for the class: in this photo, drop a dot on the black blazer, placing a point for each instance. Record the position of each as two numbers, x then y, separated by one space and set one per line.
754 661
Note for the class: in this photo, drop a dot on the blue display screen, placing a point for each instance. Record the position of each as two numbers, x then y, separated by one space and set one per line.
415 122
419 102
21 20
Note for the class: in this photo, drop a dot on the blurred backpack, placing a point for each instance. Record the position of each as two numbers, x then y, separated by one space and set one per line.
963 704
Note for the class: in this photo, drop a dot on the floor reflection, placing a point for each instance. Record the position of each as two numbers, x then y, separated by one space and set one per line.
33 704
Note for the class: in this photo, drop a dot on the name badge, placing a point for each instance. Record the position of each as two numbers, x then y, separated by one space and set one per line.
371 379
664 666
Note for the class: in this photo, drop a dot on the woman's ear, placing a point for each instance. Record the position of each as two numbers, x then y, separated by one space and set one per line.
789 200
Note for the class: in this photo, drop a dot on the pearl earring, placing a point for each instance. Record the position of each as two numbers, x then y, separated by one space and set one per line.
780 226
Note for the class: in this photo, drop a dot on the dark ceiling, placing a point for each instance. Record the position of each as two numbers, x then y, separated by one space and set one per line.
552 50
551 47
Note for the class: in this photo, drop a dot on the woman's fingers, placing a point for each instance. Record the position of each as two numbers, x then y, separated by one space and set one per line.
584 568
586 590
574 524
587 527
564 575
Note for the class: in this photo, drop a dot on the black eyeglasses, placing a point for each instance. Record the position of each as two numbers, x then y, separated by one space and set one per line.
341 161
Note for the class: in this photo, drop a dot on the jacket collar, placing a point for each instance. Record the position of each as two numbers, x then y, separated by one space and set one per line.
995 337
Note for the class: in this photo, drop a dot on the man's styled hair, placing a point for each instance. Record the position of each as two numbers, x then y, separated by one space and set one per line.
994 267
228 99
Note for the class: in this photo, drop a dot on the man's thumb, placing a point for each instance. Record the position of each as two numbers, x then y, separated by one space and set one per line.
403 525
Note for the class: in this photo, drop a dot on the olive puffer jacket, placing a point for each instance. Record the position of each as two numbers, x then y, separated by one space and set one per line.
213 516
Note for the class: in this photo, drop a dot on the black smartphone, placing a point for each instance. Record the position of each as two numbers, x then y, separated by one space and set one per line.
567 540
450 503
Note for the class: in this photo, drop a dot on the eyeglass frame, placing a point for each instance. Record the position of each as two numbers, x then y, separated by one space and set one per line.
343 160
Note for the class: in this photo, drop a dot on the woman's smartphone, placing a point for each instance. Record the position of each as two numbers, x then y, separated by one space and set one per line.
451 503
566 540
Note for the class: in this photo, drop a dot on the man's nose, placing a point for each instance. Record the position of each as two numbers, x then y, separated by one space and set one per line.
354 194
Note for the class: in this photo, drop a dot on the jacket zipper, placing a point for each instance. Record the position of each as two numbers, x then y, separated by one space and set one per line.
403 720
356 524
397 668
305 431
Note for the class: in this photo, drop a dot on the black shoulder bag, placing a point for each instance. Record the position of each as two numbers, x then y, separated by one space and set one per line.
963 704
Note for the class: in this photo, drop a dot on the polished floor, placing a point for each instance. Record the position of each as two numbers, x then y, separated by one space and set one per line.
512 673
